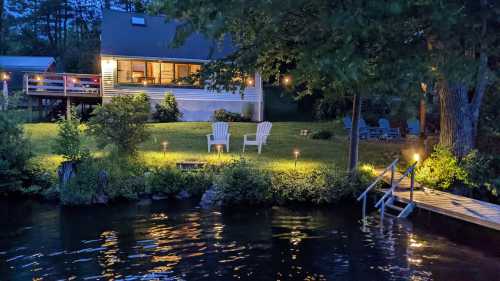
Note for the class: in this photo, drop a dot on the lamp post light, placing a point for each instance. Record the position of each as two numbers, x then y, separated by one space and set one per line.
219 150
287 80
416 157
296 154
165 146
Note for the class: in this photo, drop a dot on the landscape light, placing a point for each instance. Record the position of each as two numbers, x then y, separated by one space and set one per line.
416 157
219 149
164 145
296 154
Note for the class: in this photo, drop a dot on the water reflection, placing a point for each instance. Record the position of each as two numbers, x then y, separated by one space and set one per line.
163 241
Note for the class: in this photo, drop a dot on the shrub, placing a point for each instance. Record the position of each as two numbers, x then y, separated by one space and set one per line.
167 181
83 186
14 152
121 122
440 170
167 110
126 177
242 183
319 186
68 142
198 181
223 115
322 135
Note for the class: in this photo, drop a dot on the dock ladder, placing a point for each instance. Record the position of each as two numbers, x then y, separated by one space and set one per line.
388 198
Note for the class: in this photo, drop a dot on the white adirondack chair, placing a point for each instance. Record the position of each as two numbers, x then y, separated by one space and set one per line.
220 135
263 130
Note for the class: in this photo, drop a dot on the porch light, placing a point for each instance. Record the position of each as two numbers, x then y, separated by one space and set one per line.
145 83
296 154
250 82
74 80
38 78
5 76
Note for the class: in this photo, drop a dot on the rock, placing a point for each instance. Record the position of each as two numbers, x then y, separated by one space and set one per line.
210 199
159 197
183 195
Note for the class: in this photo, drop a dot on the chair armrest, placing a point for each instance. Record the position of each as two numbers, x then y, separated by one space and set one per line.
209 136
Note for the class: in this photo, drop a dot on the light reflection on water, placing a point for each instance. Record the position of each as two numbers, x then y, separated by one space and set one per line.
169 241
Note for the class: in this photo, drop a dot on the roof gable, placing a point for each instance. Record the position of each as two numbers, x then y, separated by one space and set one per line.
26 63
120 37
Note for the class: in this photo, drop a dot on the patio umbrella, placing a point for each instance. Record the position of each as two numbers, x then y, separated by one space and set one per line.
5 95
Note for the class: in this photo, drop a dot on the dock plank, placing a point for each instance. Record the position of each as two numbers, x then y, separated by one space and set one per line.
444 203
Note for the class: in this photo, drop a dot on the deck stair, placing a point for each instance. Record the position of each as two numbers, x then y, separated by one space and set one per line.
387 205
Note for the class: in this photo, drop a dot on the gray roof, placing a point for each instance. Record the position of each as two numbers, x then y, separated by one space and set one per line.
120 38
25 63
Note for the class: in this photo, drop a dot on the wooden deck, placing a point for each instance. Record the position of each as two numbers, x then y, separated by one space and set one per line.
455 206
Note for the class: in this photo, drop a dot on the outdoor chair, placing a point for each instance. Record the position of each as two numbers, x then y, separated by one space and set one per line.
413 127
365 131
263 130
386 131
219 136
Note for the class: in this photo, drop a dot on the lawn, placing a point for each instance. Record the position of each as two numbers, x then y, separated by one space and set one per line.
187 141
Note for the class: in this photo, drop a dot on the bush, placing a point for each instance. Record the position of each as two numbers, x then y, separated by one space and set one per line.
82 188
223 115
319 186
121 122
322 135
241 183
167 110
167 181
68 142
440 170
126 177
14 153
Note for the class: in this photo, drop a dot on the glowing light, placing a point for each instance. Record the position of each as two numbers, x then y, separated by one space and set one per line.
416 157
144 82
74 80
423 87
250 82
287 80
219 149
38 78
296 154
5 76
165 146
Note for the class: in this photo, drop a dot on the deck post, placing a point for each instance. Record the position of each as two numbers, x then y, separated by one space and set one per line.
30 109
68 107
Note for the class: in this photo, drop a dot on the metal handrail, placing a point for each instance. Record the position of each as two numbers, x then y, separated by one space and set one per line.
380 177
396 184
363 195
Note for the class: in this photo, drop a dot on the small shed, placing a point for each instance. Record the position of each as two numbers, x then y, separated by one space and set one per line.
16 66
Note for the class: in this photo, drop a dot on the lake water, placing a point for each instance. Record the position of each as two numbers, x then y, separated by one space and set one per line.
178 241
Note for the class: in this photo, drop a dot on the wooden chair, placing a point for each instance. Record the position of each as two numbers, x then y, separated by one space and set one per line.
387 131
263 131
219 136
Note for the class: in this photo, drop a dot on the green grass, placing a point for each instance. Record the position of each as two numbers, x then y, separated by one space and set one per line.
187 141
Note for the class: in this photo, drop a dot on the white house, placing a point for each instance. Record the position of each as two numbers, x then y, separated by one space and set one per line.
137 56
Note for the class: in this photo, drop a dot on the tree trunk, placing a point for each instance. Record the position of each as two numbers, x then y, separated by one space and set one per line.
456 119
354 134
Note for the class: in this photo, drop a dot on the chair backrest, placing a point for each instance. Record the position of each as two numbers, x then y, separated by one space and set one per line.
347 122
220 130
362 123
413 126
264 128
384 123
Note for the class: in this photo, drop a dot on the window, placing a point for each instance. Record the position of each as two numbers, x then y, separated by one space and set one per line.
154 72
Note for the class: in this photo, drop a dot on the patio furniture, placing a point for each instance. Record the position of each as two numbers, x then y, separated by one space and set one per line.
263 130
220 135
413 127
386 131
365 131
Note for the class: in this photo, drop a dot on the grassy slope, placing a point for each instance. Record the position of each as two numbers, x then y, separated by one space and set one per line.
187 141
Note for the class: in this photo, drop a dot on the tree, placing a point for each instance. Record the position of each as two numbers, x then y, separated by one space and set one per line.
121 123
336 47
167 110
69 139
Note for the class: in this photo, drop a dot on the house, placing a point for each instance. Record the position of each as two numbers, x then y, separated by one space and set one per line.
137 56
16 66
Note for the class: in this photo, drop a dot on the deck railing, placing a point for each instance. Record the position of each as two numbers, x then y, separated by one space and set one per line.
62 84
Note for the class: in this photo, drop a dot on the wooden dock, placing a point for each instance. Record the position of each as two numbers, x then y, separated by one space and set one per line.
455 206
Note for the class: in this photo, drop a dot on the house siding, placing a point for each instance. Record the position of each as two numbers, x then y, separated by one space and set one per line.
196 104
